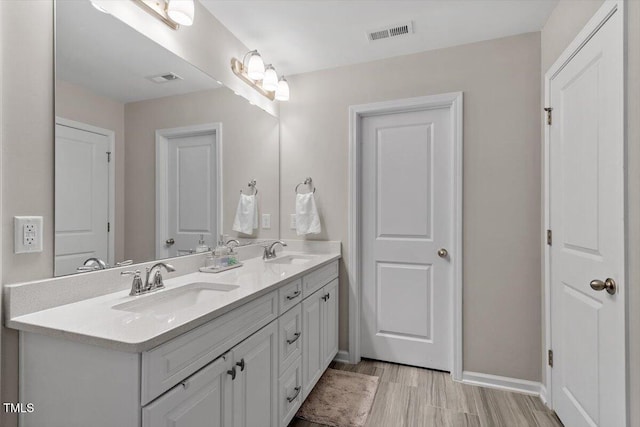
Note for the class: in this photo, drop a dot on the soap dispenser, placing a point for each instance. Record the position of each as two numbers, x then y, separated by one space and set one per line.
202 246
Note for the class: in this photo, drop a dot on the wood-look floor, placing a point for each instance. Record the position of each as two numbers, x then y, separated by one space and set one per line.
416 397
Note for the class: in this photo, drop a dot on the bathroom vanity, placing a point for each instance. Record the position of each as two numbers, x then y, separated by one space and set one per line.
239 348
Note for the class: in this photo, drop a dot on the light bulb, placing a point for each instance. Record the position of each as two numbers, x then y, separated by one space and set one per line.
282 93
270 81
181 11
255 67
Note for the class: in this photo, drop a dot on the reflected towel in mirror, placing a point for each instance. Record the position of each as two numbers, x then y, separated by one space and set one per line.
246 219
307 218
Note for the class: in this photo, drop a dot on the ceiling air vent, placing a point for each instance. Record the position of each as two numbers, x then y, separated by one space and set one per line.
391 31
164 78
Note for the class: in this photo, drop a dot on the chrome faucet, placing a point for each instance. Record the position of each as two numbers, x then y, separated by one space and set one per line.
229 242
270 251
156 283
92 264
137 288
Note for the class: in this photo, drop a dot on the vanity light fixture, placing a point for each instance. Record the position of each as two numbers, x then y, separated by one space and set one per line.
282 92
174 13
255 65
270 81
263 79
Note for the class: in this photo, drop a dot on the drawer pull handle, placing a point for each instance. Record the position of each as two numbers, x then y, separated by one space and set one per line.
241 364
294 339
232 372
293 295
292 398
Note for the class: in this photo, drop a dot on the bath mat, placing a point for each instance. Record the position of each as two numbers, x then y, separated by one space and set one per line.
340 399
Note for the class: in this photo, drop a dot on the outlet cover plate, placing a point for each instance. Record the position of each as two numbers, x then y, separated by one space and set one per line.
266 221
27 234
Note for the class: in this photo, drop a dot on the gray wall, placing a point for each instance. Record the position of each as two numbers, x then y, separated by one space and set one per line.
501 84
26 37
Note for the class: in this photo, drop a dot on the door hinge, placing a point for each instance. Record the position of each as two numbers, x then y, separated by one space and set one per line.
108 227
550 358
549 118
108 156
549 237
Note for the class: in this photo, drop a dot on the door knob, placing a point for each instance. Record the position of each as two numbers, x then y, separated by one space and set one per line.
443 253
609 285
170 242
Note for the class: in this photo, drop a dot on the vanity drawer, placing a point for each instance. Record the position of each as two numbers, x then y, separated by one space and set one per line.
166 365
314 281
290 392
290 337
289 295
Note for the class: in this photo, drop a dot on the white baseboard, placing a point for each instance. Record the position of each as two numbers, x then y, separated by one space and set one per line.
543 395
342 357
503 383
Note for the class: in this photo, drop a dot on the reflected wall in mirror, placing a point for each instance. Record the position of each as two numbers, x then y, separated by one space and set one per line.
151 153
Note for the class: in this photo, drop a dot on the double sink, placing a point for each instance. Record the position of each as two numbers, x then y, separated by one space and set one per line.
167 301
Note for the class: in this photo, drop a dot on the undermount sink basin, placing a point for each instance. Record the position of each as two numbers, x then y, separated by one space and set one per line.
291 259
172 300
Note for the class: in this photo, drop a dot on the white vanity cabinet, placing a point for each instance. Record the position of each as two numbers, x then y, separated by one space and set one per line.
320 333
252 366
238 389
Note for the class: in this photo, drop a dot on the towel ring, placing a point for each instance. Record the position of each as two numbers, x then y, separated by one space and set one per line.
307 181
252 184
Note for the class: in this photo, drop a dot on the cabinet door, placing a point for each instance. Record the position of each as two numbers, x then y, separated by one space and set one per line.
312 342
204 399
329 322
255 387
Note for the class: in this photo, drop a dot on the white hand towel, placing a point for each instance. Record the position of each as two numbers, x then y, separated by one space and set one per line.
307 218
246 215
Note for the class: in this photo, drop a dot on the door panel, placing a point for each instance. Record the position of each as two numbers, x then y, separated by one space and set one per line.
407 176
204 399
192 192
311 341
330 322
587 218
255 389
81 198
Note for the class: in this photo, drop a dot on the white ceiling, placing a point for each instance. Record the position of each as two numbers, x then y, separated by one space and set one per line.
306 35
106 56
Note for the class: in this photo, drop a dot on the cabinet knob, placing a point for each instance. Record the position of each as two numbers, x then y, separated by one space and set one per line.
241 364
294 339
297 392
232 372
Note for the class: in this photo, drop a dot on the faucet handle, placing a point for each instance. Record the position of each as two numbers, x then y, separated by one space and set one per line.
137 287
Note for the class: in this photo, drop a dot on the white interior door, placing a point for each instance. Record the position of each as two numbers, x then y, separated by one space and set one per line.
81 197
587 220
191 193
407 217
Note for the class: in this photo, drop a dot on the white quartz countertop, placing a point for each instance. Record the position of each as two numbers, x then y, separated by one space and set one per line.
95 321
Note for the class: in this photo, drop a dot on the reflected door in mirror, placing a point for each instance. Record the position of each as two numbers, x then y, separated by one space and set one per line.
82 195
192 191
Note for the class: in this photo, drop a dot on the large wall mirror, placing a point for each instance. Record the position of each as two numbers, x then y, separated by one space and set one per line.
151 153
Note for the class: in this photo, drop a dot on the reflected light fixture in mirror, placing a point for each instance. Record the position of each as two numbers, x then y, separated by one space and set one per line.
174 13
264 80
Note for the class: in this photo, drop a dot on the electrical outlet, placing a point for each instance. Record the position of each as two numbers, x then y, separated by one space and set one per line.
266 221
292 221
27 234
